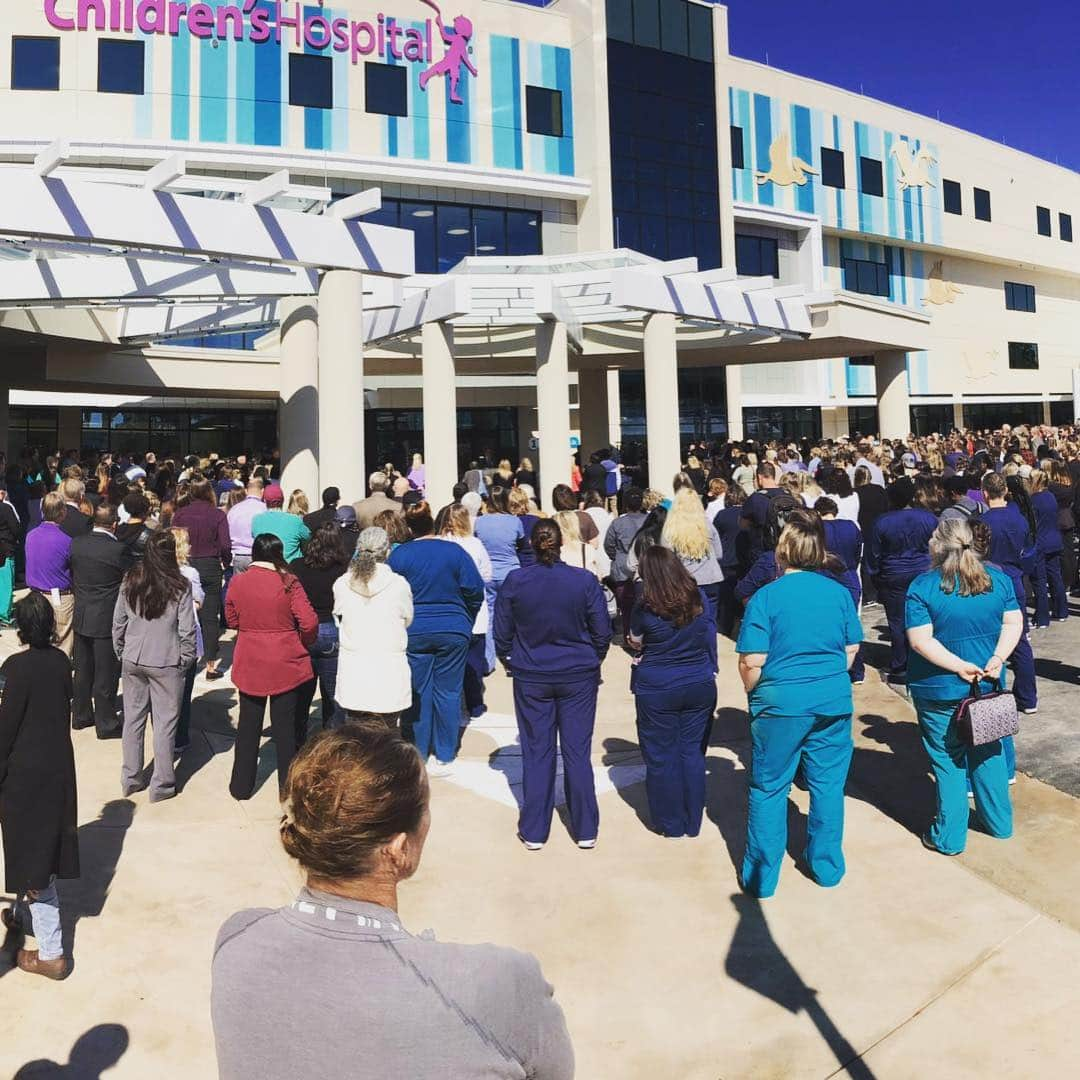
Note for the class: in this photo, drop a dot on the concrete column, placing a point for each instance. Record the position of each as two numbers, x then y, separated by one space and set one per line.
593 410
1046 412
958 415
733 397
1076 392
440 412
614 406
662 401
69 427
894 413
552 408
341 384
298 396
5 423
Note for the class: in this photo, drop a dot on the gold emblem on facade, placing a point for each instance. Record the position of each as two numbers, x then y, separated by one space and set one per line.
784 169
938 290
914 171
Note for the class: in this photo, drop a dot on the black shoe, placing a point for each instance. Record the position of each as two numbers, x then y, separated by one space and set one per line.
214 673
81 727
117 734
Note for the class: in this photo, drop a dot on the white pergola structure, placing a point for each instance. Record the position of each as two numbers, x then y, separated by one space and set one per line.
616 301
159 254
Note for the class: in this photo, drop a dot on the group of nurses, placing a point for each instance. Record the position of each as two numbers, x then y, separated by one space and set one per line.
843 541
799 636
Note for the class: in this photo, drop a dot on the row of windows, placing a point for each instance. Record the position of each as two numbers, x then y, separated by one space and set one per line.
35 65
673 26
1043 219
446 233
952 200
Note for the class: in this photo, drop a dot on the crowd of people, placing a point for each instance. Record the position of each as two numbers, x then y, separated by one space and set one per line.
396 611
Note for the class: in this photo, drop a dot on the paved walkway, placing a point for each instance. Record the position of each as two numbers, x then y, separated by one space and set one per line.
915 965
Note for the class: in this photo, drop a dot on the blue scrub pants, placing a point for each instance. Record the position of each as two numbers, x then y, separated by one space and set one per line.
437 663
1048 584
491 594
857 671
710 598
671 727
892 592
824 745
566 710
475 670
1022 660
728 608
952 762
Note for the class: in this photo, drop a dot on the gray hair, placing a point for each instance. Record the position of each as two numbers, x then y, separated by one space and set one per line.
472 502
378 481
372 548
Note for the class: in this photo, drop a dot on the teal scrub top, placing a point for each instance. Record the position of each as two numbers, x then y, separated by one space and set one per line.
803 622
968 626
288 528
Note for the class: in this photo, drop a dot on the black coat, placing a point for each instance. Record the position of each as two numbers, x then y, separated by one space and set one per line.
38 813
10 532
98 565
75 522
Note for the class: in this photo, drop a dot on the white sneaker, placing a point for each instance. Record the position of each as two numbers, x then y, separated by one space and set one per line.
587 845
437 769
1030 712
529 845
1012 781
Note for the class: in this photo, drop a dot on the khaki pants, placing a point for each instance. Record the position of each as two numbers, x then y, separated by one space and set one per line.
64 613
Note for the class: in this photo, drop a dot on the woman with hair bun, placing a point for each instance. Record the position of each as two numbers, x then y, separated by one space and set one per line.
447 593
373 608
355 817
552 632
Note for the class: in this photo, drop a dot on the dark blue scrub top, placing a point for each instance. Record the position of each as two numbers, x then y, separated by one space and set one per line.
968 626
803 622
761 573
900 543
673 655
844 540
1047 533
1009 536
726 523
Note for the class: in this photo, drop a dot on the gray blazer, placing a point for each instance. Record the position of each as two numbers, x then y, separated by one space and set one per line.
168 642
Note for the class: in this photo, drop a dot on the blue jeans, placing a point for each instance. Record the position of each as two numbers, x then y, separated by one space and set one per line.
437 663
42 913
824 746
491 594
324 660
565 712
671 727
953 762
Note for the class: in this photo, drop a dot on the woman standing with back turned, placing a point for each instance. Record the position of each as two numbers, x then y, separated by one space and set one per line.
798 639
552 631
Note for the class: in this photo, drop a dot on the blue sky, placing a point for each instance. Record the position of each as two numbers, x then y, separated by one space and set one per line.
1005 70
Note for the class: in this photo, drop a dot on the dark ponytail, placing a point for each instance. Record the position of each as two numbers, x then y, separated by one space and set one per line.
546 541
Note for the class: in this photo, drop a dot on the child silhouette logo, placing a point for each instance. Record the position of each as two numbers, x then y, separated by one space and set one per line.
457 52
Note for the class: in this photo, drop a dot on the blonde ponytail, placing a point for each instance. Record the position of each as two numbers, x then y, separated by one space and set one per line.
955 555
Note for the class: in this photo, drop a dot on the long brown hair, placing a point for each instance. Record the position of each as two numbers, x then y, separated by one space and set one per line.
155 580
670 591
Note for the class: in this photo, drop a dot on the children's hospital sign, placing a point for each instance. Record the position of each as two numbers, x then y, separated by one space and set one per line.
277 21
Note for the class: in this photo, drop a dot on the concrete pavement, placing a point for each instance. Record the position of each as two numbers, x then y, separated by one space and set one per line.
915 965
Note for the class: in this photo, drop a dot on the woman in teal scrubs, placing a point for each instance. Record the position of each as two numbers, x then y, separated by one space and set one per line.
798 639
963 623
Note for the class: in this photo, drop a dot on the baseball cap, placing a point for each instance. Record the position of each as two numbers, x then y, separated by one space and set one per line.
908 461
346 516
273 495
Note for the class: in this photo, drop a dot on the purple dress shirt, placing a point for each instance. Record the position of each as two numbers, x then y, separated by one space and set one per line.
240 518
48 557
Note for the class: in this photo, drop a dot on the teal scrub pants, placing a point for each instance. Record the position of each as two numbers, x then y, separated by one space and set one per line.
823 744
7 587
953 762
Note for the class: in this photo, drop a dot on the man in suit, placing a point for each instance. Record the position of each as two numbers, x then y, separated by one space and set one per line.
98 564
10 535
75 522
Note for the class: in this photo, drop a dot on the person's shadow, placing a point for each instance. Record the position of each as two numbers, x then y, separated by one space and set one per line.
94 1052
756 961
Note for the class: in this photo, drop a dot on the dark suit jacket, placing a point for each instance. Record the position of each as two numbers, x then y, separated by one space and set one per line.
98 565
10 532
75 522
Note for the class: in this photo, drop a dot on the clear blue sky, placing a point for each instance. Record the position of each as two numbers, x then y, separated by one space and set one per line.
1004 70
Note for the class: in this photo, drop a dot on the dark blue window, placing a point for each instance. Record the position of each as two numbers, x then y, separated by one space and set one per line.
757 256
35 63
1042 220
386 89
982 204
865 276
1019 297
870 180
121 66
1023 356
832 167
543 111
951 197
311 81
1065 227
738 161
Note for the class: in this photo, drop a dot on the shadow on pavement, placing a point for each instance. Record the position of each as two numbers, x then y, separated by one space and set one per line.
755 960
211 733
94 1052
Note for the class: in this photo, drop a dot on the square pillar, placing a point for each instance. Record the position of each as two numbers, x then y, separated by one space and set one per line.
614 407
552 407
341 386
958 415
894 406
733 402
298 396
69 428
662 401
439 391
593 410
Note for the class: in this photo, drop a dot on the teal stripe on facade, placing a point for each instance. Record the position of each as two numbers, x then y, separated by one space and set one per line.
565 85
459 122
803 146
245 91
762 139
316 121
418 108
547 78
339 118
180 97
837 144
889 174
213 93
506 144
144 102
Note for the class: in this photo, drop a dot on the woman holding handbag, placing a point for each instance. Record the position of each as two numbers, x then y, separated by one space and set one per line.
963 622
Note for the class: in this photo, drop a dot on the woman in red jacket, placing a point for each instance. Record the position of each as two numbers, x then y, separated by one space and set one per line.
276 623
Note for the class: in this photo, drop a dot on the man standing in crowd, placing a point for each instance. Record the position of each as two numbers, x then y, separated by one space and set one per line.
378 501
288 528
98 564
240 518
48 567
328 514
74 522
755 511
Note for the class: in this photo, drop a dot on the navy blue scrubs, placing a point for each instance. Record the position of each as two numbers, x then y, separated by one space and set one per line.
674 686
760 574
729 528
1048 582
899 551
1009 536
553 631
843 539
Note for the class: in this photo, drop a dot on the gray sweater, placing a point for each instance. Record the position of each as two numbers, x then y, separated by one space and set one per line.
337 988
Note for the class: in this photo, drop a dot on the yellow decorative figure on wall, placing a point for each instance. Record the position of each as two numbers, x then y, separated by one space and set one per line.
938 290
783 168
914 172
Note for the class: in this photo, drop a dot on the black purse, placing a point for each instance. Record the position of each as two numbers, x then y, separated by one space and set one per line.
985 718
